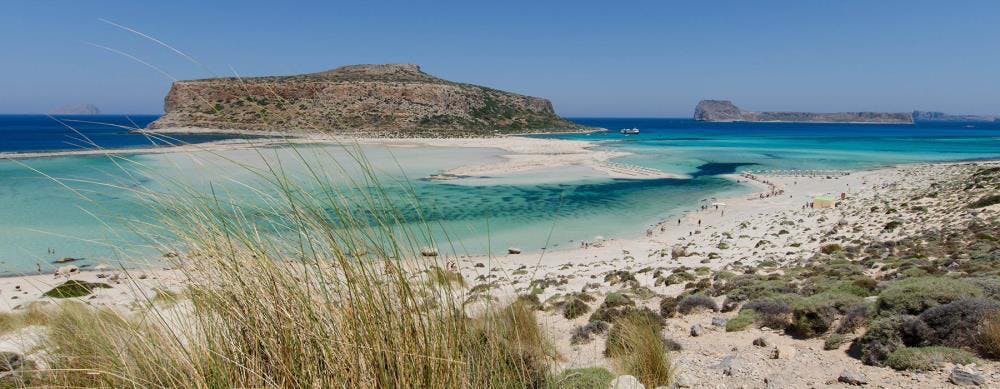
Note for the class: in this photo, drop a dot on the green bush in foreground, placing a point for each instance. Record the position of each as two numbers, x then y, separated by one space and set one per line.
880 340
575 308
915 295
927 358
742 320
584 378
814 315
833 342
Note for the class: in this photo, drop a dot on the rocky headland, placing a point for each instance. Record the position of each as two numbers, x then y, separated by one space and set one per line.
390 100
726 111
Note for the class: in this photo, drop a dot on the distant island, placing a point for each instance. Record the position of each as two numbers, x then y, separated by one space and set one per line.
76 109
726 111
395 100
932 116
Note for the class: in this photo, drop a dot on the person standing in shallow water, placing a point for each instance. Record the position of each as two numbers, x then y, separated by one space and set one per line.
699 222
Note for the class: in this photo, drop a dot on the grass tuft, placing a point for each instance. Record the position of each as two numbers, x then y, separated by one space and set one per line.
639 350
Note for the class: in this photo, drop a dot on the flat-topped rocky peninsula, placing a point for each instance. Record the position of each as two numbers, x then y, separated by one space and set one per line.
726 111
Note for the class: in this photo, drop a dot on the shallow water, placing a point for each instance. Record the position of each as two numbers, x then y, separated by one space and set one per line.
532 210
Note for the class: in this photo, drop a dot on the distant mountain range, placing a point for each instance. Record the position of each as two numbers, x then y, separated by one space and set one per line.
76 109
726 111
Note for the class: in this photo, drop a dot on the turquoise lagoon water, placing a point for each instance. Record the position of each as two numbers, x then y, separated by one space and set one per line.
533 210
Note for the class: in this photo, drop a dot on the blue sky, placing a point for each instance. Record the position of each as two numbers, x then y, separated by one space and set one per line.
598 58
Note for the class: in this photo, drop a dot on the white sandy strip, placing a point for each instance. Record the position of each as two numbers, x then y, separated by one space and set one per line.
527 154
522 154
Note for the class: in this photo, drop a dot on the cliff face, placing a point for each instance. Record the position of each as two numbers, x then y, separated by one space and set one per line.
385 100
726 111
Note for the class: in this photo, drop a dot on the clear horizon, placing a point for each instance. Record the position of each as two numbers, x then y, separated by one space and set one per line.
589 59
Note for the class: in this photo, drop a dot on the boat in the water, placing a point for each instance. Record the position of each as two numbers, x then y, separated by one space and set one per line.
629 131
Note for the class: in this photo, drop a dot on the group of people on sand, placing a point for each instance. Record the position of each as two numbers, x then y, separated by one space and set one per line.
774 190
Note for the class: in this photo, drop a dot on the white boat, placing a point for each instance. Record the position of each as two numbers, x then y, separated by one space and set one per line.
629 131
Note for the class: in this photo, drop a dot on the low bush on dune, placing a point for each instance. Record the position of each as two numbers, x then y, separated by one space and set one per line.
744 319
615 305
927 358
833 342
74 288
638 348
692 303
880 340
575 308
957 324
830 248
771 313
668 307
583 334
854 318
584 378
915 295
814 315
751 287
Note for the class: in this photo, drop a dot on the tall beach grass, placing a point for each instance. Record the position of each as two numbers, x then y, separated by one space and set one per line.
313 284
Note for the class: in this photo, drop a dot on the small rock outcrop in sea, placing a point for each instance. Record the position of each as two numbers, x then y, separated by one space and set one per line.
76 109
726 111
367 100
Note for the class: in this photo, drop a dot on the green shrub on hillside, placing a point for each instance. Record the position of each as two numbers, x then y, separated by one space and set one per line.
927 358
880 340
814 315
915 295
742 320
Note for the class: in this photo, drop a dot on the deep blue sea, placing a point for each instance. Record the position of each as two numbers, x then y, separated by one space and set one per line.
552 208
32 133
